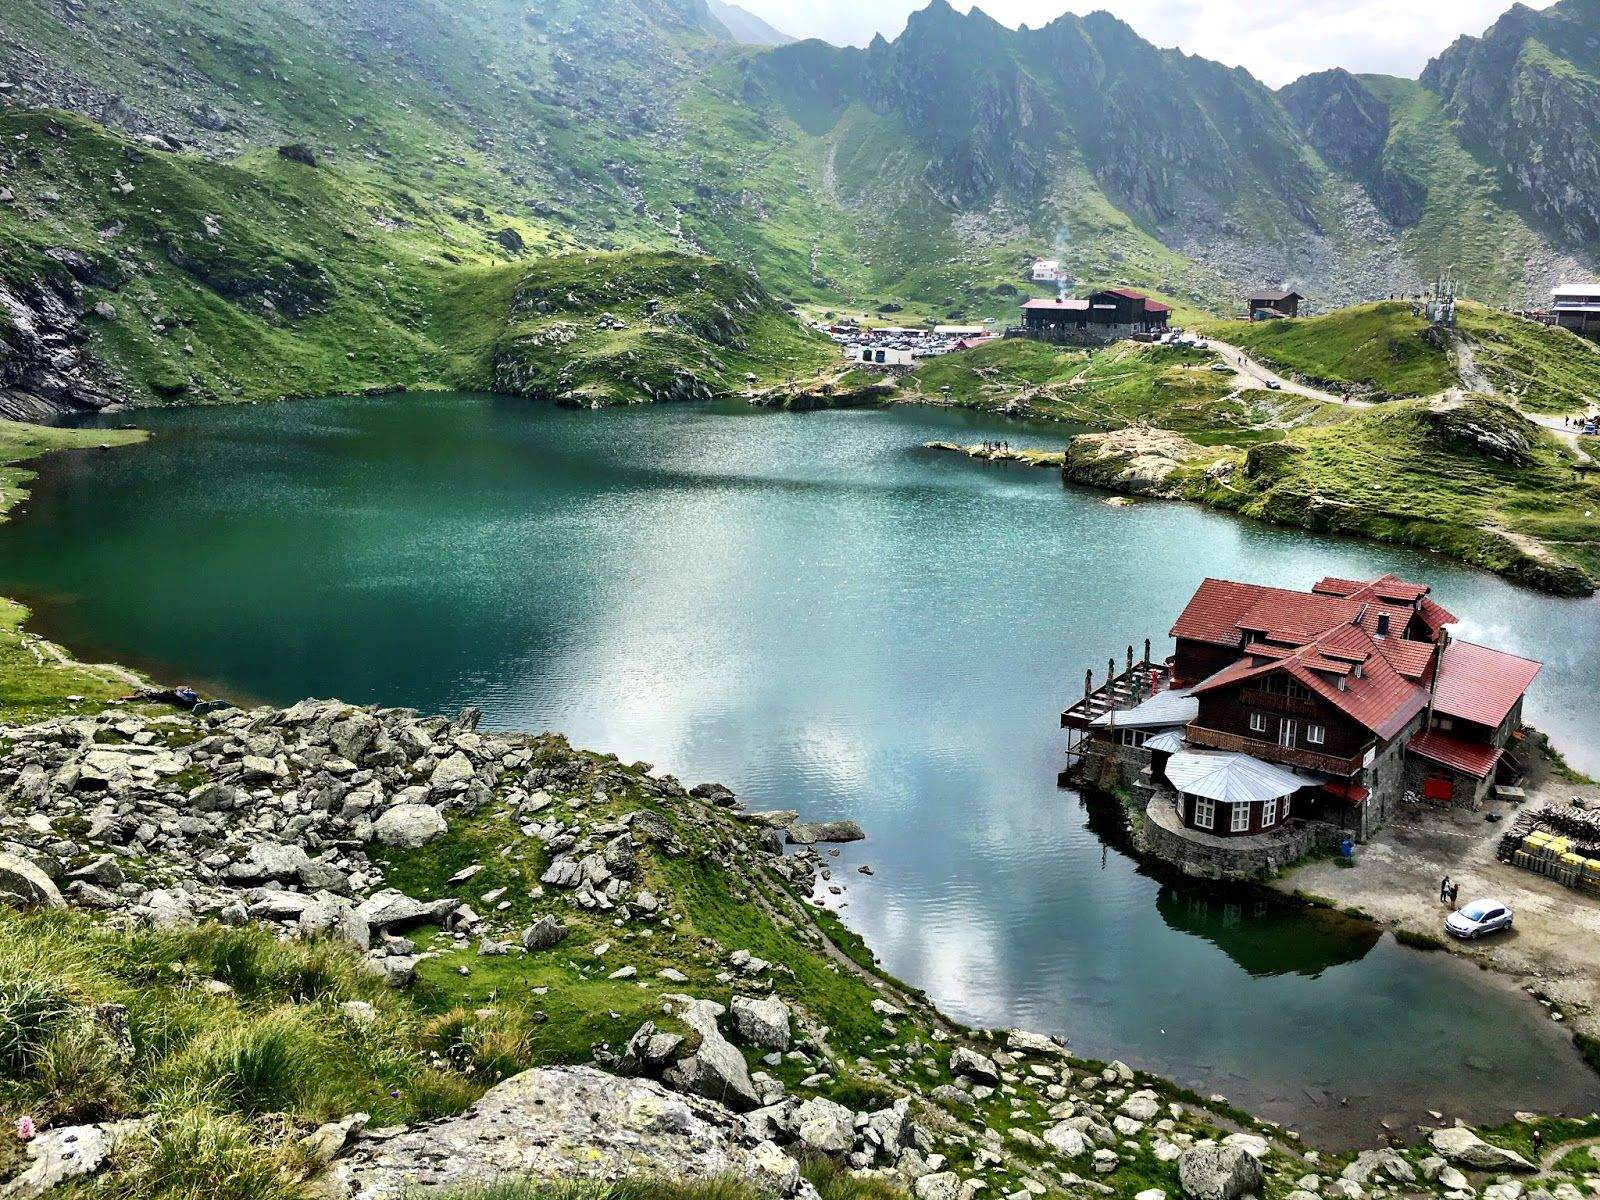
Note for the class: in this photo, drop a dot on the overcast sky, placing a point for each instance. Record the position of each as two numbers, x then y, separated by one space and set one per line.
1276 41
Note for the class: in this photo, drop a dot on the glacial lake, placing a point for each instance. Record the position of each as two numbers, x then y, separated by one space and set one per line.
822 614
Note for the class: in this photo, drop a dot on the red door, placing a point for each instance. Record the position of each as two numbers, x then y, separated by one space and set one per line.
1438 786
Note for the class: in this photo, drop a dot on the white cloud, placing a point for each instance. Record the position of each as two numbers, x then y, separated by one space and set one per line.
1276 42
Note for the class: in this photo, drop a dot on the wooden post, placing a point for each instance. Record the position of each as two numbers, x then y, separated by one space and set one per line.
1088 682
1130 660
1147 652
1111 672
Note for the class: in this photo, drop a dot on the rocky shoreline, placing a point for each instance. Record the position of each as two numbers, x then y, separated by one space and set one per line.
302 820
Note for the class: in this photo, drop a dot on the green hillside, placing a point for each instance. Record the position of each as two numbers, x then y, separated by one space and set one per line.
1377 350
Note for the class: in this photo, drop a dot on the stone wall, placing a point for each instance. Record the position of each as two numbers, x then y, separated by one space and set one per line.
1161 835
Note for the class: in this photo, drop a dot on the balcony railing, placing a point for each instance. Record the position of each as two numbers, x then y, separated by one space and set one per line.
1295 756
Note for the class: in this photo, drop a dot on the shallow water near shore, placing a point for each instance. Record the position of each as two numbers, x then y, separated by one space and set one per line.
818 612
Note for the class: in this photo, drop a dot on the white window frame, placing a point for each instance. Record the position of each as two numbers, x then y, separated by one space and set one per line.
1316 735
1269 814
1258 722
1288 727
1205 812
1239 819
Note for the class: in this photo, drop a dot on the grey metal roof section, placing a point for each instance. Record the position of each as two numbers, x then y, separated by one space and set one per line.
1169 742
1163 710
1231 778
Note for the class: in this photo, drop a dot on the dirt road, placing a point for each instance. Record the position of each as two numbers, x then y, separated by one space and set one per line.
1251 373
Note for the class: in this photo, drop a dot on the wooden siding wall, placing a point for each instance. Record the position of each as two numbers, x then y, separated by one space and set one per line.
1228 711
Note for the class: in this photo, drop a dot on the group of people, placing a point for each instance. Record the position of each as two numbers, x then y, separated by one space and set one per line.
996 447
1449 889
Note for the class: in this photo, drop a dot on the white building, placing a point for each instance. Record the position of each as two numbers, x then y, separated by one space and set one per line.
1047 270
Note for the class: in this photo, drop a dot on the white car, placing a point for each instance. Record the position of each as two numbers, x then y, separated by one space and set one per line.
1478 918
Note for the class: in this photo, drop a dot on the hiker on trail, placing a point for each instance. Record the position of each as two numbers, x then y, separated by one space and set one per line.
1444 888
1538 1140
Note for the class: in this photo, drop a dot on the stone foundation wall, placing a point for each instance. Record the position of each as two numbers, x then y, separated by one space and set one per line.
1161 835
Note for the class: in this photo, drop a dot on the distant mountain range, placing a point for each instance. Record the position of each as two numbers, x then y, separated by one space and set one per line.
925 172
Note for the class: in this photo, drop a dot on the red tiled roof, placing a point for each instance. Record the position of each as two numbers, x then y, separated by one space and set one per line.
1410 658
1125 293
1058 305
1390 588
1379 698
1435 616
1480 685
1477 759
1343 789
1156 306
1218 611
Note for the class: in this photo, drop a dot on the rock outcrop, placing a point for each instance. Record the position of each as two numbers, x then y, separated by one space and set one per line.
562 1124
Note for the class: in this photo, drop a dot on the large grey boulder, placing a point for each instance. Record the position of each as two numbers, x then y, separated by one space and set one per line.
24 884
1207 1171
715 1070
543 934
563 1124
1066 1141
809 833
761 1021
395 910
409 825
1466 1149
457 768
334 917
967 1063
825 1126
70 1152
268 862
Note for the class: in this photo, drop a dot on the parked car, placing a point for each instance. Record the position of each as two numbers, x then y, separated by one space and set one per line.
1274 386
1478 918
1590 428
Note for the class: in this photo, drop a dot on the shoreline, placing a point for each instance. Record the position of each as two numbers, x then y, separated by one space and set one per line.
1020 456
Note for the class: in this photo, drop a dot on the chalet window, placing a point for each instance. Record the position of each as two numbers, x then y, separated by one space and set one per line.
1258 722
1134 737
1269 814
1444 724
1316 735
1298 690
1205 812
1286 732
1241 818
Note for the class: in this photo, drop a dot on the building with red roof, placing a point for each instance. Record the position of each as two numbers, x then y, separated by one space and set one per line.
1354 688
1100 316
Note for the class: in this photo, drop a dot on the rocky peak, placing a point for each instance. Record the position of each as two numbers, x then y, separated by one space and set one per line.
1349 127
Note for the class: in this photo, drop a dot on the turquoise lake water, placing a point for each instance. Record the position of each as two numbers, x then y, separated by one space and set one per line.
818 612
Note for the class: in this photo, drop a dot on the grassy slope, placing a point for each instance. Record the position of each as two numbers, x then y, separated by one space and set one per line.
1543 369
1398 474
1376 349
1168 386
265 278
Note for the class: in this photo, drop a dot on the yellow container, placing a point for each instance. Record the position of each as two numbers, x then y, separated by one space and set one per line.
1574 860
1559 845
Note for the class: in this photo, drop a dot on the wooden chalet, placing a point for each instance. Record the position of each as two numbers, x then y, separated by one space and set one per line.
1326 705
1265 305
1104 315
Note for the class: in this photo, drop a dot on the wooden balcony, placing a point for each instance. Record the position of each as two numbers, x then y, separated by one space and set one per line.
1294 756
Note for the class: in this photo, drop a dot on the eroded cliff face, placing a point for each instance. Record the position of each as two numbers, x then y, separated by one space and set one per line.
1524 95
44 369
1349 127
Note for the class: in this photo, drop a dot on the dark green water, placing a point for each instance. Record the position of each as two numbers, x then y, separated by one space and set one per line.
818 612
